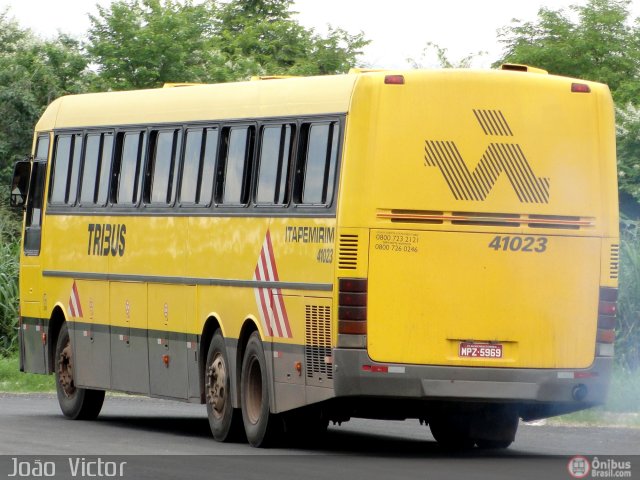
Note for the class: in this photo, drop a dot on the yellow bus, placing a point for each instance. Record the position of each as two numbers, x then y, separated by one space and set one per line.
436 245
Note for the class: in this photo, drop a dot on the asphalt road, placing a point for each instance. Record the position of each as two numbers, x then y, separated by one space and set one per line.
160 432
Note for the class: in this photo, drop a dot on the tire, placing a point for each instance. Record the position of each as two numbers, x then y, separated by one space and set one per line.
224 420
452 432
498 427
75 403
262 428
493 444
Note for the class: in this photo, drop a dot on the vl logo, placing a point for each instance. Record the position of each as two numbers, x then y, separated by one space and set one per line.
498 158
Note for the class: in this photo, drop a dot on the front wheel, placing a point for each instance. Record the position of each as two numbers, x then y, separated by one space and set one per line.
224 420
261 426
75 403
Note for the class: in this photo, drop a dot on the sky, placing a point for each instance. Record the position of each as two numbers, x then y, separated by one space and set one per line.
398 29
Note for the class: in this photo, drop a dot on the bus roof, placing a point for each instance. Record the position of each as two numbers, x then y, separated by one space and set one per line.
262 97
242 100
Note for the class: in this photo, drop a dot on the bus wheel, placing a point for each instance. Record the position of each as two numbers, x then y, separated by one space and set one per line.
452 432
498 427
261 426
225 421
76 403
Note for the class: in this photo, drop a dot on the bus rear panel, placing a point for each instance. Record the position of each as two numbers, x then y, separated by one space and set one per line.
484 208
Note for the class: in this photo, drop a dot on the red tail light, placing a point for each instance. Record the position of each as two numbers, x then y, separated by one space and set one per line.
394 79
352 306
607 309
580 88
606 336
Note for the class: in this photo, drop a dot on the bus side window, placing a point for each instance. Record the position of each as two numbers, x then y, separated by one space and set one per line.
316 170
199 166
234 168
42 148
66 167
96 165
273 166
126 168
34 208
160 179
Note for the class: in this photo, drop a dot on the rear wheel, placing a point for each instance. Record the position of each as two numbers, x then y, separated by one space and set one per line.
497 428
452 432
261 426
306 424
224 420
75 403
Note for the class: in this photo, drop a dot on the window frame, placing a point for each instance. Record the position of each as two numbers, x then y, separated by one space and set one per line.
212 207
96 186
177 153
203 128
222 164
114 183
289 171
301 162
73 134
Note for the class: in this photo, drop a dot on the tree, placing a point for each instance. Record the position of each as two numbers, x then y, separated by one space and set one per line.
32 74
265 33
442 58
145 43
602 44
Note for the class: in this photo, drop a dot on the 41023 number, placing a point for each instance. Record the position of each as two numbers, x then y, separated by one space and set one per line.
516 243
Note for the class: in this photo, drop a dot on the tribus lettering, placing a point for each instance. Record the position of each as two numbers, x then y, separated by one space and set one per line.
106 239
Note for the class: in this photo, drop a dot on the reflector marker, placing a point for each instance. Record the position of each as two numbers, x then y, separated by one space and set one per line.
383 368
75 309
270 303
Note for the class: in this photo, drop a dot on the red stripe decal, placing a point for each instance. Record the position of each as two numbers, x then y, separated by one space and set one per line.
77 296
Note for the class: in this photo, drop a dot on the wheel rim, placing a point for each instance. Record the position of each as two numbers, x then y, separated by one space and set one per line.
216 385
254 391
65 371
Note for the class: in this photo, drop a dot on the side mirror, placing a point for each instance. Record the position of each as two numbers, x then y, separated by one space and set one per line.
20 184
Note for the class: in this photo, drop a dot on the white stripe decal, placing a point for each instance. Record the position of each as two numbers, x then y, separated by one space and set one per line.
269 300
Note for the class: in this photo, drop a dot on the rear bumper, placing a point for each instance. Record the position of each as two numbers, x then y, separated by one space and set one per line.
575 389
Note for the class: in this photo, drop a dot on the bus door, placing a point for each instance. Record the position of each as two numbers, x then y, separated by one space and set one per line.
33 349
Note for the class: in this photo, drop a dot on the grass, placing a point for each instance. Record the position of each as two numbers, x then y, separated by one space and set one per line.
13 380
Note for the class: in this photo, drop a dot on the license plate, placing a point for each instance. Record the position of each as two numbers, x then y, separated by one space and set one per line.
480 350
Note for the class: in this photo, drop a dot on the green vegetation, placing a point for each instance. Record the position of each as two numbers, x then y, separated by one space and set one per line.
628 327
9 228
12 380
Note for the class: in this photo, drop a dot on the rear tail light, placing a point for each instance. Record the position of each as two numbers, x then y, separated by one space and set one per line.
607 308
394 79
352 306
580 88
